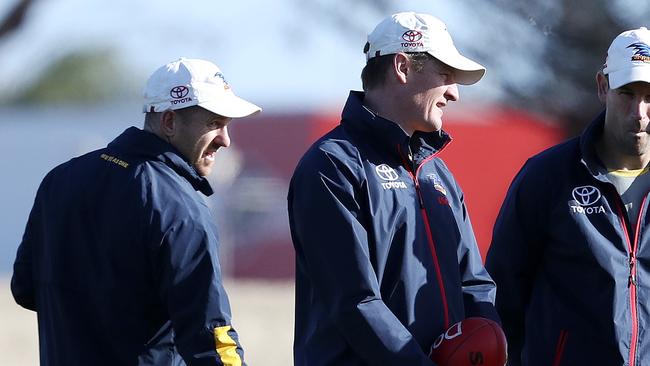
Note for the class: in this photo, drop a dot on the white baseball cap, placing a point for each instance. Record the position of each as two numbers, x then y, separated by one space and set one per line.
189 82
413 32
628 58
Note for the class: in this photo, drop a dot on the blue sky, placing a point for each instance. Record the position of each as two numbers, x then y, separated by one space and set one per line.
281 54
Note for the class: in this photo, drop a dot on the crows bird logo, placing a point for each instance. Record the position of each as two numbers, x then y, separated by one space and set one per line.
641 52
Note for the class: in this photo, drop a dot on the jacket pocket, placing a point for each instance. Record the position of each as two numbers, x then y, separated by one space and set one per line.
559 348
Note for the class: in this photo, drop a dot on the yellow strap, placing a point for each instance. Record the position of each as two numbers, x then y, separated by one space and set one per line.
226 346
630 173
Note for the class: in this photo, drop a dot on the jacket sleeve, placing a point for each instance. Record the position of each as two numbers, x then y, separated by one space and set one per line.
326 215
22 282
189 280
479 290
513 259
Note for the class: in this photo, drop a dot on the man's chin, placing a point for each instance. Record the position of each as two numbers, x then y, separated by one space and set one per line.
436 124
203 170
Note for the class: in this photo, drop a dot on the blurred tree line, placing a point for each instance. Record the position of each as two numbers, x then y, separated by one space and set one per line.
544 54
80 76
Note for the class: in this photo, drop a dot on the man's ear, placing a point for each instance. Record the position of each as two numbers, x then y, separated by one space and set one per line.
168 123
401 67
603 86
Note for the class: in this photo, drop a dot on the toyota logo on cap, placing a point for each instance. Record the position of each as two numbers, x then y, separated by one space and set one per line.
586 195
179 92
412 36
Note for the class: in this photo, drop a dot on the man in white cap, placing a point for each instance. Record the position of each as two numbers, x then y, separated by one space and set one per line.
120 253
386 256
571 247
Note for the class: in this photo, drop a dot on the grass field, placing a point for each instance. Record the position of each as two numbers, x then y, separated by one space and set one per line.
262 311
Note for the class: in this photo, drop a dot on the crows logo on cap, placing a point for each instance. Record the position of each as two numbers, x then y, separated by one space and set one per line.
642 52
225 83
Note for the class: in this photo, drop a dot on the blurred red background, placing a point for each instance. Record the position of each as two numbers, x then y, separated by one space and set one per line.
489 147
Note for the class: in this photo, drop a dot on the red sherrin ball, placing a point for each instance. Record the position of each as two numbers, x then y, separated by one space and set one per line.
473 341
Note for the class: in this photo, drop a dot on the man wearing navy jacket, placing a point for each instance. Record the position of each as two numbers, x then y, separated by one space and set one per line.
571 246
386 257
119 256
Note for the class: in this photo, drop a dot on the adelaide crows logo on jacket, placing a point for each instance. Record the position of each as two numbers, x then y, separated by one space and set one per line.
584 200
437 183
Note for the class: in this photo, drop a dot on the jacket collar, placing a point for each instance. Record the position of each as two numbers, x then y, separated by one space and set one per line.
388 134
149 146
588 141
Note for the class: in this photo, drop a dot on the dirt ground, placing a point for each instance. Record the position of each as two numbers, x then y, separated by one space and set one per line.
262 312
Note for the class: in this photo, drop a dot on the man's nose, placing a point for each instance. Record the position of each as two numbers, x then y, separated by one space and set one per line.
223 138
452 92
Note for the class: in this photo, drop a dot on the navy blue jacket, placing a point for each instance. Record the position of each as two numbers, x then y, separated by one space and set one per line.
574 283
119 260
386 258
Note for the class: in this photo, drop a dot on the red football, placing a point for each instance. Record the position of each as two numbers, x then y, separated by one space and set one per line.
473 341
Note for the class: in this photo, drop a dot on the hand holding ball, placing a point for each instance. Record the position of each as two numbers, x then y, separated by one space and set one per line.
473 341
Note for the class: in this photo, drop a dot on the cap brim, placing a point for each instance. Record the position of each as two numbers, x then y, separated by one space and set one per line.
629 75
231 107
467 71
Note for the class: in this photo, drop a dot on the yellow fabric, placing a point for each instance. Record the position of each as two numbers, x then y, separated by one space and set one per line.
226 346
630 173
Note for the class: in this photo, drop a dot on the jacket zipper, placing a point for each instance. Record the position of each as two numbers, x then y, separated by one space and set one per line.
559 349
633 248
427 226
